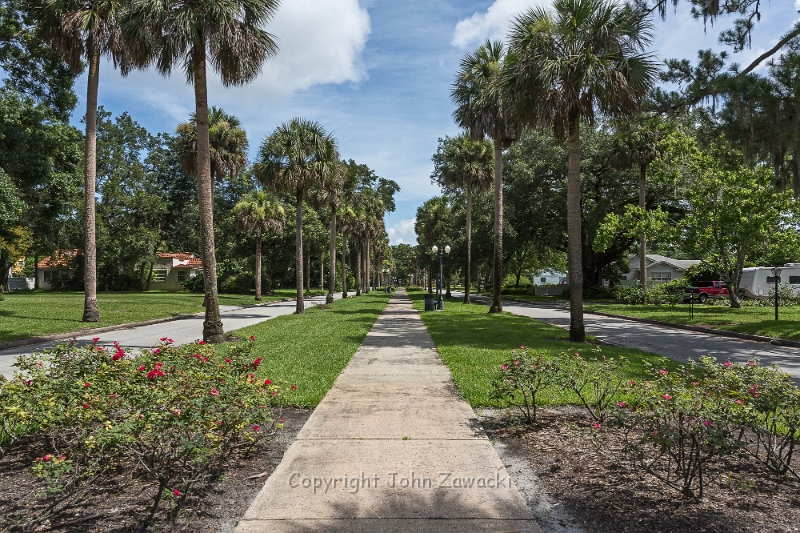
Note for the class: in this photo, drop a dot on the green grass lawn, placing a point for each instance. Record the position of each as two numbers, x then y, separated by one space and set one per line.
33 313
310 350
754 320
474 343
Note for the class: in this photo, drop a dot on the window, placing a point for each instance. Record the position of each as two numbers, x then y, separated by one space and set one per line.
794 280
181 275
21 263
771 279
543 280
661 276
48 276
159 275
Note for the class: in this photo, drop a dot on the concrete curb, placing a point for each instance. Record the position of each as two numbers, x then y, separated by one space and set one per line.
106 329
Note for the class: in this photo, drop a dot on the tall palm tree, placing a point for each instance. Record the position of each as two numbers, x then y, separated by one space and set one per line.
79 30
431 226
192 34
637 145
464 164
256 214
581 58
227 144
484 110
299 157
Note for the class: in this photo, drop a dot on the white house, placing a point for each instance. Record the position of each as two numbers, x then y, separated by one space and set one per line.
171 270
549 277
659 268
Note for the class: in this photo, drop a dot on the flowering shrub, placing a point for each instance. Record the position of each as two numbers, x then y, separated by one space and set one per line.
521 378
595 382
177 412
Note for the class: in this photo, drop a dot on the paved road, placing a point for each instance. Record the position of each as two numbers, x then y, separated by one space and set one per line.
181 331
677 344
392 448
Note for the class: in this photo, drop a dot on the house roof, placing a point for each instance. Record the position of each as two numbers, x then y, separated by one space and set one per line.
60 259
680 264
182 259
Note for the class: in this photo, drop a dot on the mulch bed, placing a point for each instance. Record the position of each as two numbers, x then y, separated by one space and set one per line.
121 504
577 471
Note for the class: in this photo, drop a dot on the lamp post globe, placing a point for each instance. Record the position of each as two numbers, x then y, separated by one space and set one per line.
447 249
435 249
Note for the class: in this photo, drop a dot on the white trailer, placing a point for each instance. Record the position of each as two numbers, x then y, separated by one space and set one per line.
757 282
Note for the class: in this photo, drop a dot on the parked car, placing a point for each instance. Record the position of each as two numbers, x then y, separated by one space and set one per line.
757 282
709 289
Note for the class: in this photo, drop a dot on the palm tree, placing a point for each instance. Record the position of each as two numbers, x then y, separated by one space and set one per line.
638 146
299 157
194 33
581 58
484 110
259 213
79 30
465 164
432 224
227 144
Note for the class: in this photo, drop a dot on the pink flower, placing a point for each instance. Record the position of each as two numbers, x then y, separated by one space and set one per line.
95 339
141 368
708 423
228 360
622 404
256 428
86 406
751 363
112 395
516 363
663 372
214 392
119 355
27 382
157 351
281 420
505 367
176 412
176 492
86 385
667 397
522 347
753 389
694 383
632 383
727 363
47 457
596 425
740 402
219 422
162 339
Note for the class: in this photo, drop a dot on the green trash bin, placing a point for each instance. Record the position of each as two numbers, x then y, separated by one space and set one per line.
429 302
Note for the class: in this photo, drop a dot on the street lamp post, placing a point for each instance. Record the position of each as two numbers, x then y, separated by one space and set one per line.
435 249
776 275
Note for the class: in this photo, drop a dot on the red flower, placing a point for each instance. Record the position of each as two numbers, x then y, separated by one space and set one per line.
86 384
141 368
256 363
293 387
256 428
176 492
86 406
267 382
95 339
228 360
112 395
27 382
119 355
201 343
214 392
252 337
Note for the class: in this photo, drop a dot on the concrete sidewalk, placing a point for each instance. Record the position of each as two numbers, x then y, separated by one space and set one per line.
391 448
182 331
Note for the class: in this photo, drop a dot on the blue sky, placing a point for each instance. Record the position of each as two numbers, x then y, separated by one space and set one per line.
377 74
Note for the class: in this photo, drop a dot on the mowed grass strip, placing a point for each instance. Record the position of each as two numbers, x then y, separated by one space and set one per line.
752 320
310 350
473 344
34 313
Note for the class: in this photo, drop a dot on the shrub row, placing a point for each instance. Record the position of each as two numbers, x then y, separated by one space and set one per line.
675 424
173 413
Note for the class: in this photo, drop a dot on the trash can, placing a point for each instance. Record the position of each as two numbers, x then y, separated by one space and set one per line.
429 302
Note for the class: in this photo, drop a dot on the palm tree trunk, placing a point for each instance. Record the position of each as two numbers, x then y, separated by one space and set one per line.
497 276
469 246
577 332
91 312
307 271
212 325
359 264
344 264
643 239
332 271
322 272
298 241
367 278
258 265
149 276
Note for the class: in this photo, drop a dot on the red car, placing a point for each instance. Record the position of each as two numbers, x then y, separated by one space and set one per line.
709 289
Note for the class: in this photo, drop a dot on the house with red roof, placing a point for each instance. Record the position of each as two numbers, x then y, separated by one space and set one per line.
172 269
62 261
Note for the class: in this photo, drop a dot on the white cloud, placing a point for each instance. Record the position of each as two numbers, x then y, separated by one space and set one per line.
403 232
492 24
